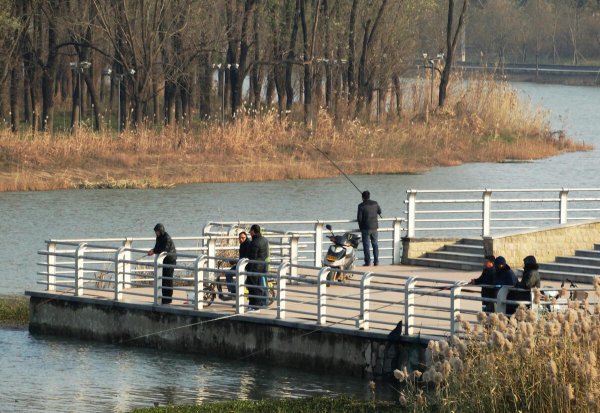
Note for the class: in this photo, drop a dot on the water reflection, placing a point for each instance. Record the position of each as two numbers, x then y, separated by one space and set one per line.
41 373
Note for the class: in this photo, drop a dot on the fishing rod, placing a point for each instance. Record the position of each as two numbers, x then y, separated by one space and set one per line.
338 168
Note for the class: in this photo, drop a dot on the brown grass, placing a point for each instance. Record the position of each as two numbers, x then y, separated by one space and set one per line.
528 363
484 121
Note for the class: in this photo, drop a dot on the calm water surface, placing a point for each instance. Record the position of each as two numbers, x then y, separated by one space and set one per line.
48 374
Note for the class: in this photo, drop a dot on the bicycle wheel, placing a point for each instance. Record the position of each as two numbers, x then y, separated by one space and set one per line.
209 294
271 293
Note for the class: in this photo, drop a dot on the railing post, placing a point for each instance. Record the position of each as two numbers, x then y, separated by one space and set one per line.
455 307
412 209
212 252
397 241
501 299
281 283
486 213
564 200
128 243
322 296
199 265
158 261
51 267
318 243
294 244
79 265
409 306
240 286
119 272
362 322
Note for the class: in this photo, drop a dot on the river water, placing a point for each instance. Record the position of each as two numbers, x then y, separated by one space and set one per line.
57 375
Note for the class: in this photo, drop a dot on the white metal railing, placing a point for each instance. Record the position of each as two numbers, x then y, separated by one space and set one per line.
313 237
302 293
488 211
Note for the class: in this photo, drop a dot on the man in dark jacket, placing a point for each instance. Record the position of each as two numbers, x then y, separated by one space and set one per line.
529 280
504 274
487 277
367 222
244 252
257 251
164 243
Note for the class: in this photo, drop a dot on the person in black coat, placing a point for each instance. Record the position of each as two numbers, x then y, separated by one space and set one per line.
258 251
529 280
164 243
243 252
487 277
368 224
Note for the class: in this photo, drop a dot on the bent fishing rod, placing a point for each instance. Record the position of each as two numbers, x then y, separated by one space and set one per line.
338 168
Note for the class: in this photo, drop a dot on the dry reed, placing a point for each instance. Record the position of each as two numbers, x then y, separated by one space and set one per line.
484 120
528 363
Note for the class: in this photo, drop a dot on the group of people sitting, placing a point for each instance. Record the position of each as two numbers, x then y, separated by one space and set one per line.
496 273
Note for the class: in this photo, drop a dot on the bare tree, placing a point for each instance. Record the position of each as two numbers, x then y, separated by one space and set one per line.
452 35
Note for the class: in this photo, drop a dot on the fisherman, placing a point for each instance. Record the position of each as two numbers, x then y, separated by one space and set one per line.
367 222
164 243
258 252
487 277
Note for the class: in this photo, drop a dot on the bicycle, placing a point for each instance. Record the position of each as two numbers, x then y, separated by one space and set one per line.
214 287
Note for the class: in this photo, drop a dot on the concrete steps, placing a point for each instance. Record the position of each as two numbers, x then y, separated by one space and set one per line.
466 254
579 268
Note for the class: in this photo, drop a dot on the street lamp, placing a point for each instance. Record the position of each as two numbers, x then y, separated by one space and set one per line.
119 78
432 65
224 67
79 67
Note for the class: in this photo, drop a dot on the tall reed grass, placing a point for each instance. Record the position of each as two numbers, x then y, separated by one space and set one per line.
525 363
484 120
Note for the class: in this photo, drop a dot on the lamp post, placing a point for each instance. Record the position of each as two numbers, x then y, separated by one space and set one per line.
79 67
119 78
220 66
431 64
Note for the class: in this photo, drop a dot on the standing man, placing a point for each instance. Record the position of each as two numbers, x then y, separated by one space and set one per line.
164 243
487 277
258 251
367 222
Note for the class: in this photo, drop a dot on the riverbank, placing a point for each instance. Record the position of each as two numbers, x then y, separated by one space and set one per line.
308 405
14 311
484 121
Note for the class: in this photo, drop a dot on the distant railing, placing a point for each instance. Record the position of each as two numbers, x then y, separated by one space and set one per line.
299 293
313 236
486 212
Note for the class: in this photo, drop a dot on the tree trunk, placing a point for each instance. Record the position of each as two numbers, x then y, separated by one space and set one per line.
291 56
351 53
16 83
205 85
451 42
91 89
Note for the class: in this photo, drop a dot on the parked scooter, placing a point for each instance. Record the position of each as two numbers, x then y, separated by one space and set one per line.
340 255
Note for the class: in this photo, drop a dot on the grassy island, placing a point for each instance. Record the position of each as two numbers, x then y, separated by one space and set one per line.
483 121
